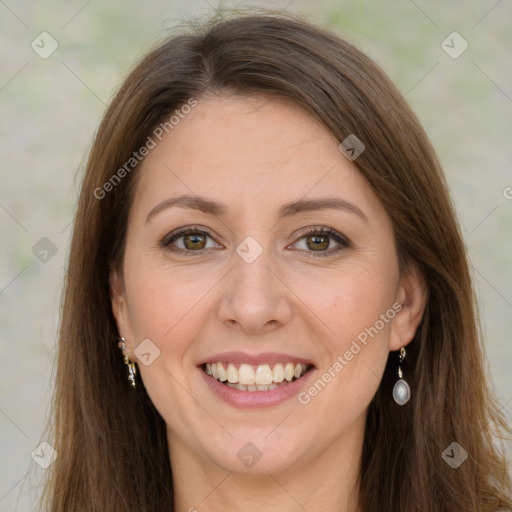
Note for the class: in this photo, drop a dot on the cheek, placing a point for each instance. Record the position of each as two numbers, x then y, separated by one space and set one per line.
350 302
359 306
160 296
166 308
356 307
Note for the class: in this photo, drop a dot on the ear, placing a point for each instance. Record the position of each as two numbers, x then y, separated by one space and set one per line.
119 304
412 295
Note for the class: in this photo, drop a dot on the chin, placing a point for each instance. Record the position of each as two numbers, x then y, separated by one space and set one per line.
246 454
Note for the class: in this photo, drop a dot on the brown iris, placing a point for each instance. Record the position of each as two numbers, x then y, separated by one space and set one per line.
195 241
319 242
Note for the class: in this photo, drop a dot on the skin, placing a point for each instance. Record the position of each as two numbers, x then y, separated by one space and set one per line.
254 154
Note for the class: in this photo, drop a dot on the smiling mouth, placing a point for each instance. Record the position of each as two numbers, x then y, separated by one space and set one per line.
263 377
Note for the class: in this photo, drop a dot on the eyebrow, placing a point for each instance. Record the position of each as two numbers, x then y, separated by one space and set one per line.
286 210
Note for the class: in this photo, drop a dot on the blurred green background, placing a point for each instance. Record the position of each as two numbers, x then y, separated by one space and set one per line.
50 108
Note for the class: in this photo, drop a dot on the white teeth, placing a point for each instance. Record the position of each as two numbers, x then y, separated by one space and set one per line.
246 375
232 373
289 371
241 387
221 372
278 373
263 375
255 378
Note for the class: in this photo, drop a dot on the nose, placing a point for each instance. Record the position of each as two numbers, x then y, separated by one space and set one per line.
255 300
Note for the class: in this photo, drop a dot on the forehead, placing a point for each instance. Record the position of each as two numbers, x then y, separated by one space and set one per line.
254 152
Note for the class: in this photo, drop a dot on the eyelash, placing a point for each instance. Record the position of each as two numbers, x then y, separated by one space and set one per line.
322 231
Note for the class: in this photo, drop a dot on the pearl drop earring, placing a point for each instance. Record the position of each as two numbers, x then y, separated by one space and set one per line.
401 390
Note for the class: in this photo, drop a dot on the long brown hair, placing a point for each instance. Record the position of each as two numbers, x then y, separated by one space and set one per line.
111 441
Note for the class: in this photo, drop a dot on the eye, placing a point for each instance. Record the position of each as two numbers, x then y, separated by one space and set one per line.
318 240
188 240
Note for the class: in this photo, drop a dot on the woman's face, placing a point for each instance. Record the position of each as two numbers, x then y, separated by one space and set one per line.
287 264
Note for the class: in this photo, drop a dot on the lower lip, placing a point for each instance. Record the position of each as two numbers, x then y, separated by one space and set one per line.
256 399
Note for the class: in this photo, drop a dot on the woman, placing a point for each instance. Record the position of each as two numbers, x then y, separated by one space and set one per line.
268 305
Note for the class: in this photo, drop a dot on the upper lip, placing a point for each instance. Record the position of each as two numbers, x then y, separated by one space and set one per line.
254 359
